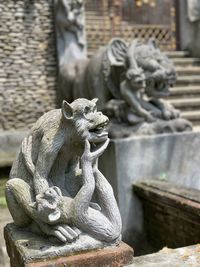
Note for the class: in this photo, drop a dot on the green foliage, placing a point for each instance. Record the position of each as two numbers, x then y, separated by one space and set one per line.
3 203
2 192
163 176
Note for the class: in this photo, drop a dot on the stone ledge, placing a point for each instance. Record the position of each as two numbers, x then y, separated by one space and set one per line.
26 249
181 257
173 157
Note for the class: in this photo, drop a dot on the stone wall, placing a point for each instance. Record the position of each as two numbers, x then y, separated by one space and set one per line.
28 66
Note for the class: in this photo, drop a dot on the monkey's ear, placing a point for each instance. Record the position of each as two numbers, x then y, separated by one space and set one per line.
67 110
94 100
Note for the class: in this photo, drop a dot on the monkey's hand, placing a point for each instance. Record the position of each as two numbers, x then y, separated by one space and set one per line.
62 232
91 156
47 205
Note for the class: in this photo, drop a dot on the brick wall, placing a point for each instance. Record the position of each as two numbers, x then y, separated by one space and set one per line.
28 67
171 213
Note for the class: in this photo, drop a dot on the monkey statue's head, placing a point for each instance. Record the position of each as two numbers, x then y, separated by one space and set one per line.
89 123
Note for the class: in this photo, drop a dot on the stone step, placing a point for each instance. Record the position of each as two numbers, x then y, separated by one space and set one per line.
191 70
191 115
187 103
185 90
196 128
196 125
186 61
188 80
177 54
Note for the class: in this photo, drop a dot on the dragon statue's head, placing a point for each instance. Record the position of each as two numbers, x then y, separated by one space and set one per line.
145 61
158 68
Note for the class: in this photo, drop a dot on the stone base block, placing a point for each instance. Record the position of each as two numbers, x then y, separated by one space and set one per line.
26 249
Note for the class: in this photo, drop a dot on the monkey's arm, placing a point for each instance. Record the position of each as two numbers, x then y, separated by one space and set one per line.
107 199
106 225
48 151
168 111
132 100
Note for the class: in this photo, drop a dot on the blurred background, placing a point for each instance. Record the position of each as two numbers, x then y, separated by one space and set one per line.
29 65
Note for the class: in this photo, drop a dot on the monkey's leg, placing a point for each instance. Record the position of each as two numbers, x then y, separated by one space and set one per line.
19 195
90 220
107 200
20 198
82 199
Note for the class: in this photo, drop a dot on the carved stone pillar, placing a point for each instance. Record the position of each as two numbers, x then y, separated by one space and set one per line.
70 30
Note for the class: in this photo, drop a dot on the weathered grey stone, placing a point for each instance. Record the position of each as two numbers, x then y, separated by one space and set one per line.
174 157
33 247
55 175
26 249
70 31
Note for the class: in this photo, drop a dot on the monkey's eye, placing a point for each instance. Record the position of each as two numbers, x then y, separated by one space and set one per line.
86 110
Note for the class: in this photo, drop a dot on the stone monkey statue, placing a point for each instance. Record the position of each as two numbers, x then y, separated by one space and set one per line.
132 93
54 177
132 89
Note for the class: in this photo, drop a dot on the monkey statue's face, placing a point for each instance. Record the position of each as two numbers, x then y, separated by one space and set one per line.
90 124
136 78
47 204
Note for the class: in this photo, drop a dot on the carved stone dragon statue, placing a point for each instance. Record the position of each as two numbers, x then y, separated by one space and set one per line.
130 82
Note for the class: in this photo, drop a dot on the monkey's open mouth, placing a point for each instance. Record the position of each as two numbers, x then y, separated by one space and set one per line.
100 130
162 88
158 89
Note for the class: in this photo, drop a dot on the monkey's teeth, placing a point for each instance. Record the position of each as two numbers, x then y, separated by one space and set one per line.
99 128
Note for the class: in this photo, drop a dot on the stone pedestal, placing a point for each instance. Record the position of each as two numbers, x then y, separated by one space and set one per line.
26 249
170 157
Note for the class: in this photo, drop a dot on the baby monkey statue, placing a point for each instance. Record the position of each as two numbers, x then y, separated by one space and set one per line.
56 174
